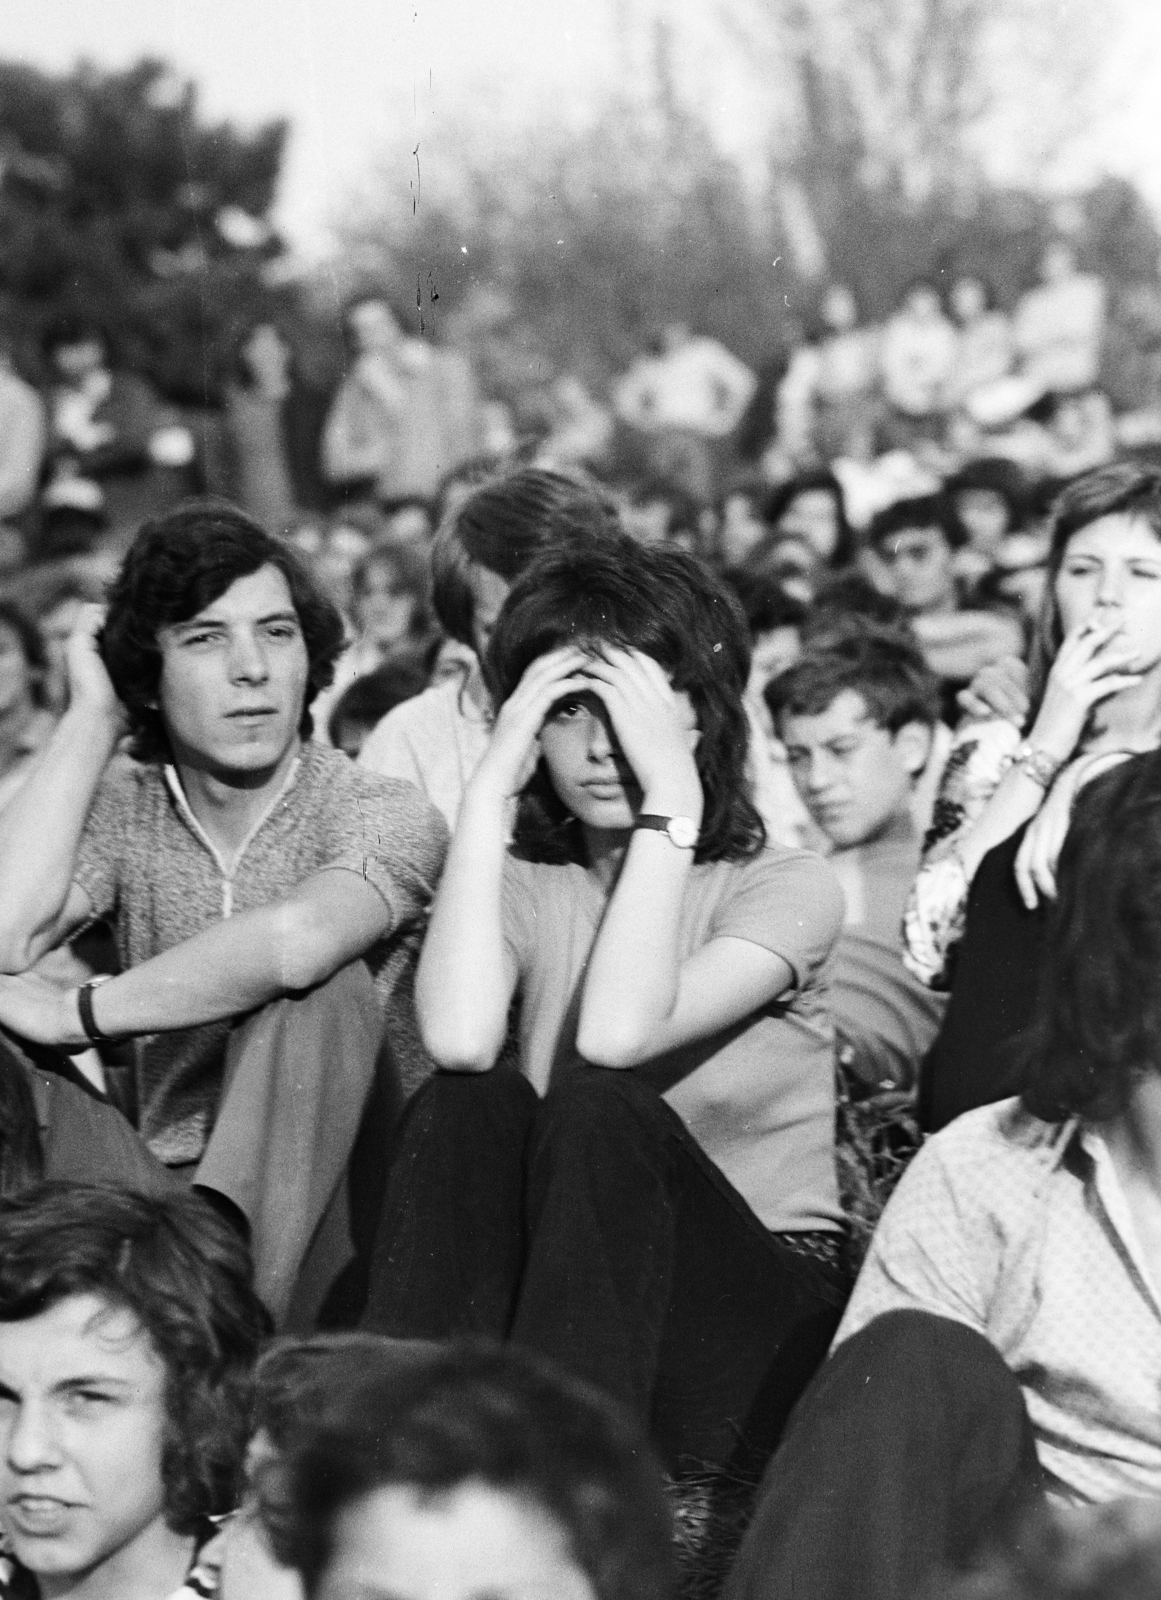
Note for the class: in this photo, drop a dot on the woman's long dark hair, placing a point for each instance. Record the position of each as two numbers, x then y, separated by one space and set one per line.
1127 488
1097 1028
669 605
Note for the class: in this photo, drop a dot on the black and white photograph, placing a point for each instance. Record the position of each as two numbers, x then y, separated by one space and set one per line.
580 800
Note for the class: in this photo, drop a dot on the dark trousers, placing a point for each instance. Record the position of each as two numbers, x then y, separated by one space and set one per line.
909 1449
591 1227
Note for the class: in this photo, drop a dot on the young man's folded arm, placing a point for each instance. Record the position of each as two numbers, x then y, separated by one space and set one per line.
330 919
226 970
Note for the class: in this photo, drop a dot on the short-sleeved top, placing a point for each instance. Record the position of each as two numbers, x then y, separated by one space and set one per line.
435 740
1021 1230
759 1096
150 871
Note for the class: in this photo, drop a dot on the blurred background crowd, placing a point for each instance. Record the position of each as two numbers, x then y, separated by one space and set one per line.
874 369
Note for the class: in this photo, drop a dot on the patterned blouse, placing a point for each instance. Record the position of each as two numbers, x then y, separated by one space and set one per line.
933 922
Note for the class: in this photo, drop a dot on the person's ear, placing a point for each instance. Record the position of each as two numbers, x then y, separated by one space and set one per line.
913 741
694 738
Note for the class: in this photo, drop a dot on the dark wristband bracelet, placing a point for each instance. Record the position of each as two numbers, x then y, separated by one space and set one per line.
85 1007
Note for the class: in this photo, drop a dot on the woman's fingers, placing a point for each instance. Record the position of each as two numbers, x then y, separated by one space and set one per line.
1033 872
1041 846
1103 687
638 676
553 664
1024 881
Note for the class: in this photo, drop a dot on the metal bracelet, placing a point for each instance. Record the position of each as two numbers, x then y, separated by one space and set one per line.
1037 765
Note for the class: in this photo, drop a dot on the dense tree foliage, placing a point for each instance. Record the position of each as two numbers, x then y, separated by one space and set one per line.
117 200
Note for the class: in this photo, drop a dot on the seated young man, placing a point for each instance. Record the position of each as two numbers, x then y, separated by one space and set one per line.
652 1199
128 1333
238 863
1003 1342
465 1472
857 718
915 541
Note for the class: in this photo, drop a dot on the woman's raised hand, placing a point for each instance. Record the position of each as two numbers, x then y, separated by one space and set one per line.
1089 667
514 747
654 727
998 690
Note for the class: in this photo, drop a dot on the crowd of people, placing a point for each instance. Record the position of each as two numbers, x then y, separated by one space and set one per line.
575 1033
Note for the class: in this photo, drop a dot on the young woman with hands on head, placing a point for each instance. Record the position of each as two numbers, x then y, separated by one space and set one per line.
651 1198
1095 699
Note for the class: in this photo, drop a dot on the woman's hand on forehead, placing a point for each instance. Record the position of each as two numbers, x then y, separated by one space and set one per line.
512 752
654 725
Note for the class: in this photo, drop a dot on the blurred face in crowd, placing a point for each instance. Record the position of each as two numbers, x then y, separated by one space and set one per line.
854 777
839 311
74 362
409 524
918 563
342 548
773 652
82 1424
969 299
922 303
384 607
1071 422
465 1543
233 679
16 675
813 515
984 513
1112 570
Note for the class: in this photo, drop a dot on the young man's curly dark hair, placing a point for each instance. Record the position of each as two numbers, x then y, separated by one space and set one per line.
184 1273
179 564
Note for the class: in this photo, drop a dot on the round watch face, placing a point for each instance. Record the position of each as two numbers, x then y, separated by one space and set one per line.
683 832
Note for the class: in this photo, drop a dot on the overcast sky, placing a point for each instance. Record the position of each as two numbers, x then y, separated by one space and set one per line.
365 80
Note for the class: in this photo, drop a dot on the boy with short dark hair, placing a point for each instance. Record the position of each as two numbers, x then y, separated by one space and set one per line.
857 717
915 541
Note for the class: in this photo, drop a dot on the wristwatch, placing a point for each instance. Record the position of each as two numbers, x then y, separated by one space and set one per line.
680 831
